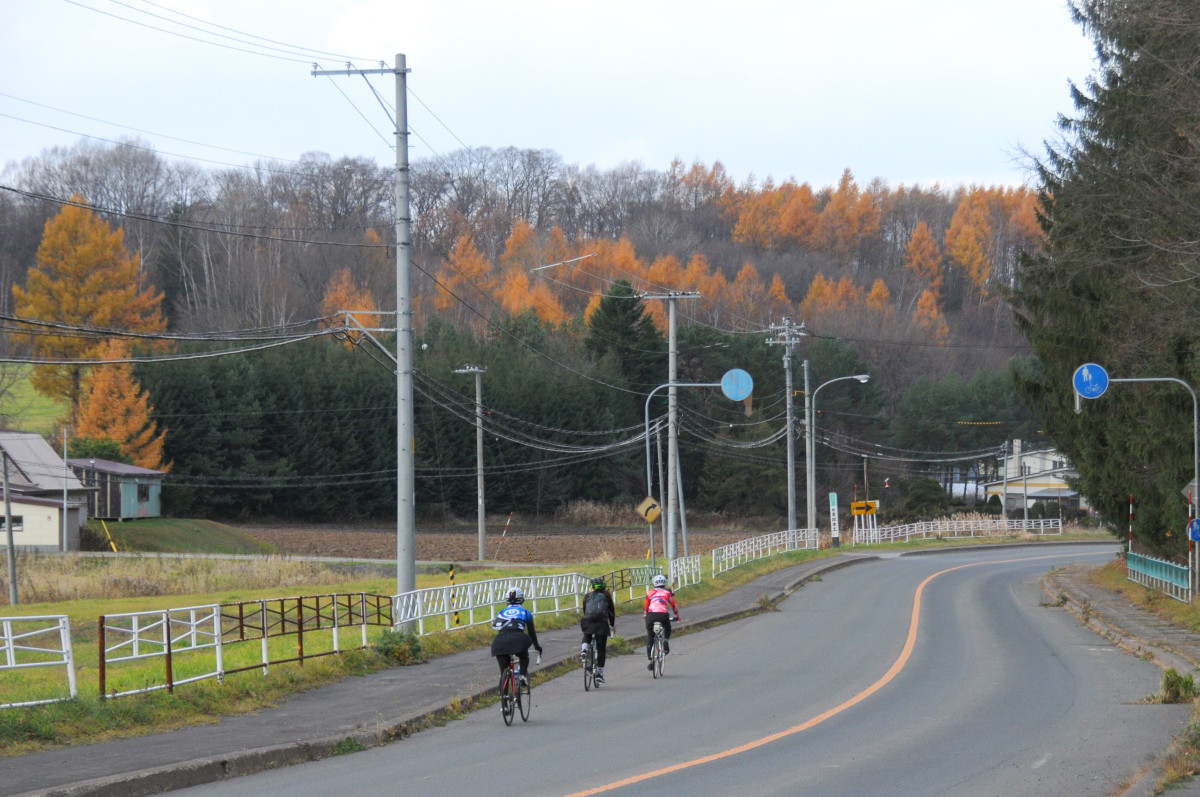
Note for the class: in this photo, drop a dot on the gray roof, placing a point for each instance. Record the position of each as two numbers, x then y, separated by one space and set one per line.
33 465
118 468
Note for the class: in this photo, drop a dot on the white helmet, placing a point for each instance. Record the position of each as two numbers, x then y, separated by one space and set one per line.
659 581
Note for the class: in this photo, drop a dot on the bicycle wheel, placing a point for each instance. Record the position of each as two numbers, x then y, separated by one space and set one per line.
656 655
507 696
524 701
661 661
589 674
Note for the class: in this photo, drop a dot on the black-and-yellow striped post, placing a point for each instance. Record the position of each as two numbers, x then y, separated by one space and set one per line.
453 600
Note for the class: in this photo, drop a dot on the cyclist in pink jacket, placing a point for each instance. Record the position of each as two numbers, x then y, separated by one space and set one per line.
660 607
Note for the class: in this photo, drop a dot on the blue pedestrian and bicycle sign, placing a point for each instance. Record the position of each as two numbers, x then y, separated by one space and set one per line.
737 384
1090 380
1194 529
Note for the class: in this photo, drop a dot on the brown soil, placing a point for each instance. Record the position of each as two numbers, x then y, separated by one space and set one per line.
460 544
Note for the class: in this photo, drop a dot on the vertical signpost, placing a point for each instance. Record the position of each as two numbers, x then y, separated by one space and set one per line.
833 521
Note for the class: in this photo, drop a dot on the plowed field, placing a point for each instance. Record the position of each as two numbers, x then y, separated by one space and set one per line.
540 544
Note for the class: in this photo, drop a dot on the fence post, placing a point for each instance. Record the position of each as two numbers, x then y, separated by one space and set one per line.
100 636
170 664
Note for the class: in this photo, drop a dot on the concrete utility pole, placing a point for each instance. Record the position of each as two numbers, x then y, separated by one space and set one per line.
478 371
12 550
788 336
406 552
669 527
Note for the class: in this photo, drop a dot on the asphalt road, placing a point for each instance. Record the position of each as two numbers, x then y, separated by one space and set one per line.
921 675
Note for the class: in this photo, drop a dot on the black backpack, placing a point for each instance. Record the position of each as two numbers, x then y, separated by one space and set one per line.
595 605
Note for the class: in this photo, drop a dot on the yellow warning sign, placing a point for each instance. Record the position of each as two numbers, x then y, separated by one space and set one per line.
649 510
863 507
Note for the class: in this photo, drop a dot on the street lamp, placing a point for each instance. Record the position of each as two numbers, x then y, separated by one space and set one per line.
649 479
810 444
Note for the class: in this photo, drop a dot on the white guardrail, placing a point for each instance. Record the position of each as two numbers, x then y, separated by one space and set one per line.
478 600
37 641
685 571
955 528
163 633
730 556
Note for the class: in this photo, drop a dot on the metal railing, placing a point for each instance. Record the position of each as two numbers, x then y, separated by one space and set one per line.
730 556
475 602
1159 574
202 634
159 634
983 527
686 570
29 642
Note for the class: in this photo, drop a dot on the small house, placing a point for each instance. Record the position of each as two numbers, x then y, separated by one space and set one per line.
47 503
119 491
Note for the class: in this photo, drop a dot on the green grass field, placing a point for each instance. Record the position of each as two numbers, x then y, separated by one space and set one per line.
24 409
171 535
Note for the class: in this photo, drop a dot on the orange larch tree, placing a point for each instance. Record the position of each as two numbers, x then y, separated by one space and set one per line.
929 316
923 257
466 273
116 408
84 277
343 293
797 221
968 241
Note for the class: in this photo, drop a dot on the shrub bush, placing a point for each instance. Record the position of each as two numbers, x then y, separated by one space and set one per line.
399 647
1177 688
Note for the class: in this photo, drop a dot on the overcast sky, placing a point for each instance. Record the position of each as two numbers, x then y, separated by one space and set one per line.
912 92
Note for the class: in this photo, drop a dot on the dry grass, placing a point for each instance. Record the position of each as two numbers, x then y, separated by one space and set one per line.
590 514
51 578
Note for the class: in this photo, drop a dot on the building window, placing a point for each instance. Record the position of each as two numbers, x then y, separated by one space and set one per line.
18 523
143 493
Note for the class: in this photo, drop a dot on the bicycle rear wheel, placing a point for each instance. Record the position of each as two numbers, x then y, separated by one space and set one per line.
524 701
656 657
589 659
507 696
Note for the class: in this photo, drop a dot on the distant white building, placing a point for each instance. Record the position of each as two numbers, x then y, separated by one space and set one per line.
41 490
1031 476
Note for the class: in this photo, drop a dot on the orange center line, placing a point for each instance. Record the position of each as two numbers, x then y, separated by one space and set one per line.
905 654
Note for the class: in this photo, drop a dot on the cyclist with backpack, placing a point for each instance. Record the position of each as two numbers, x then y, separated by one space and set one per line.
599 614
659 599
516 634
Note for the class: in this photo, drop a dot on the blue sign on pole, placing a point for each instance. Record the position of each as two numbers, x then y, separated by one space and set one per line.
1194 529
736 384
1090 380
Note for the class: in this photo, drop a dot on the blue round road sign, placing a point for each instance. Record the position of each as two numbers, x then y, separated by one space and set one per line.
1090 380
736 384
1194 529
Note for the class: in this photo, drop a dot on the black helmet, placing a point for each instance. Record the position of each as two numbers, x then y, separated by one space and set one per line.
599 583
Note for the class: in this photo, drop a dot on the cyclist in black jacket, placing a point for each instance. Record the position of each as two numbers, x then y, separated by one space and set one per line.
599 614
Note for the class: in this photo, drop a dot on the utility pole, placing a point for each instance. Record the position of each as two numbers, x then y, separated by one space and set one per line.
12 549
788 336
478 371
672 422
810 494
406 552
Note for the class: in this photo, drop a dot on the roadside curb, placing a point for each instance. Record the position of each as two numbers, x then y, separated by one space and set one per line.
1162 655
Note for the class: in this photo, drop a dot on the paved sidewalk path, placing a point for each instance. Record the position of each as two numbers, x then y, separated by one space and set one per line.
1133 629
370 709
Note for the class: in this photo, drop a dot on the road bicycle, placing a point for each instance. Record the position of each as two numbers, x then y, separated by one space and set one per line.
658 651
589 670
514 693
